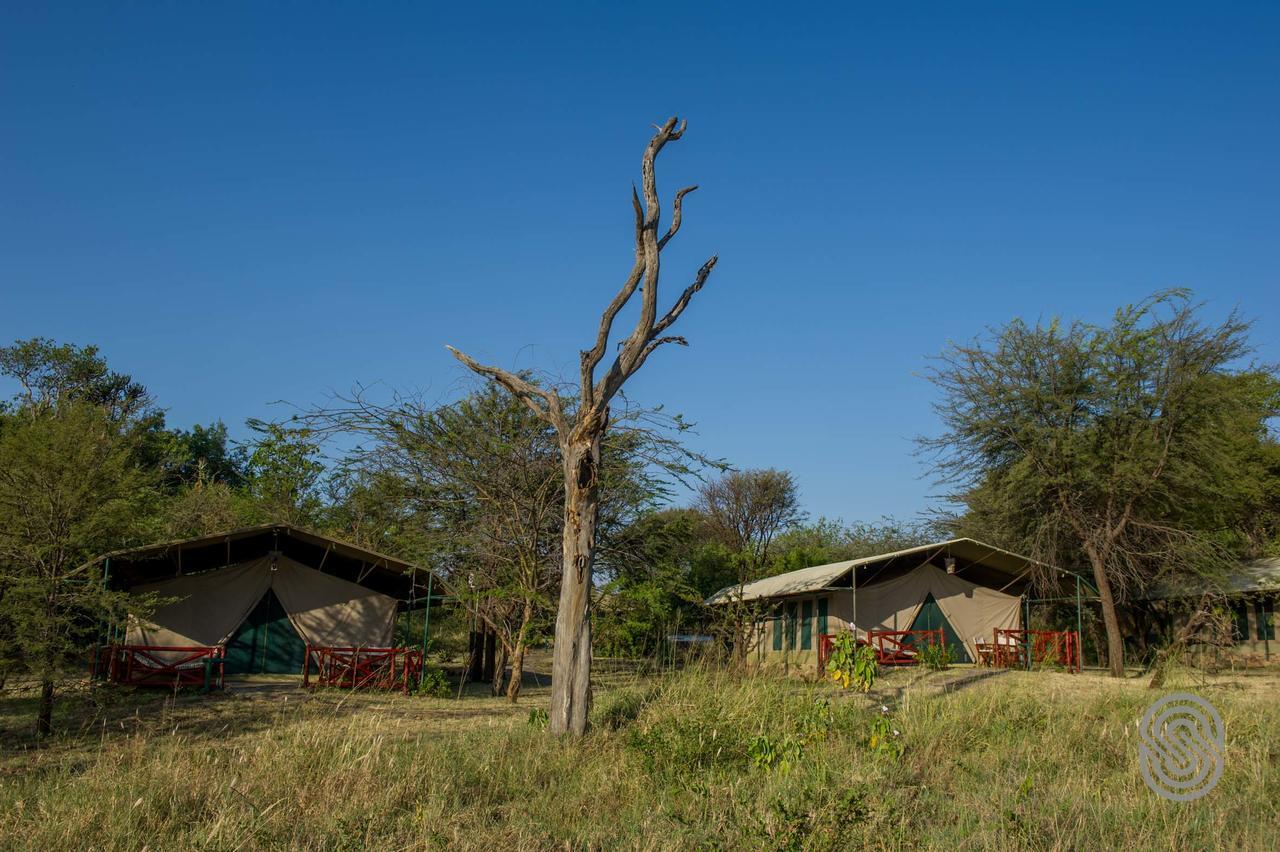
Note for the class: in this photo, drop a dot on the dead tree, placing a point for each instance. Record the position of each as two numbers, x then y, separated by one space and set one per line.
581 424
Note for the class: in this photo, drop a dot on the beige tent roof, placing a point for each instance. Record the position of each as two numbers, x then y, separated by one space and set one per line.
388 575
999 566
1260 575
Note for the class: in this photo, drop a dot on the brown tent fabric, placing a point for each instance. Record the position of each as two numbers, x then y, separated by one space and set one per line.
325 610
330 611
974 611
209 606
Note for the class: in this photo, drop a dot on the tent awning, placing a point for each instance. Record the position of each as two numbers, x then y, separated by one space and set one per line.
984 564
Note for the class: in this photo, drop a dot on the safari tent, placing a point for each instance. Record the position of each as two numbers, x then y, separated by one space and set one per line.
262 595
962 587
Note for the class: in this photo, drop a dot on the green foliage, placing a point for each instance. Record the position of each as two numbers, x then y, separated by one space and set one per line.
851 664
1129 447
70 490
283 474
936 656
620 707
885 740
539 718
433 684
52 374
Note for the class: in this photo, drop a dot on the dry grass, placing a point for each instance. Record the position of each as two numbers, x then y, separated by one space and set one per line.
1024 760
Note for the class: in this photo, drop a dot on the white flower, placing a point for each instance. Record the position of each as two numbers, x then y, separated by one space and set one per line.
896 732
884 708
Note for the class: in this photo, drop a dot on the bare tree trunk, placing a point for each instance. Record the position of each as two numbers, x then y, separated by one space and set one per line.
499 668
580 433
1110 619
517 656
44 718
571 663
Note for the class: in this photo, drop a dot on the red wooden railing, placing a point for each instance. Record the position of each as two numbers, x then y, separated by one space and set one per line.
1028 648
163 665
902 647
892 647
362 668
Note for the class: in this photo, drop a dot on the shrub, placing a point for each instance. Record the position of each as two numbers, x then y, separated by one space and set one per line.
433 684
852 664
936 656
622 706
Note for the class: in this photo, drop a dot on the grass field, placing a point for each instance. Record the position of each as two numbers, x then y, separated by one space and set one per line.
697 759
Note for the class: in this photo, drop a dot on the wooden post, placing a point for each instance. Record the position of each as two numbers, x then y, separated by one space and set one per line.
490 655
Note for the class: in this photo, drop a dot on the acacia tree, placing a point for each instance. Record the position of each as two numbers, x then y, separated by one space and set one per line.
746 510
581 427
70 489
475 489
1113 445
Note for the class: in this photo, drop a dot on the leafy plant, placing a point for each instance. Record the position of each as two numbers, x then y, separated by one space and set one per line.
852 664
433 684
936 656
885 739
539 718
769 754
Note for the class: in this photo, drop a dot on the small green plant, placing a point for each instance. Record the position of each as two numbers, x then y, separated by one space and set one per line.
769 754
538 718
852 664
885 739
433 684
936 656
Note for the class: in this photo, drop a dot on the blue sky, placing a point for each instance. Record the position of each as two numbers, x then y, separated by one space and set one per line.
242 205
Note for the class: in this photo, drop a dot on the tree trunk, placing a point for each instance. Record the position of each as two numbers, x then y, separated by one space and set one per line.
1110 619
571 661
490 655
517 656
44 719
499 668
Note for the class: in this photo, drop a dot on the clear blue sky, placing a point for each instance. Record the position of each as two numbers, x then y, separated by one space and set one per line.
243 204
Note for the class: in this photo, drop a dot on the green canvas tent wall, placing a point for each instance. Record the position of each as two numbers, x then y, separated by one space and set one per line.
265 593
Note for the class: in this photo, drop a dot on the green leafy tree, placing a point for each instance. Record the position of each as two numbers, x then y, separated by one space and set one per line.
285 475
70 489
1115 446
746 511
50 374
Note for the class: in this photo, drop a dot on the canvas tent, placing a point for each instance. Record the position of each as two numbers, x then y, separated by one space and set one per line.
1250 593
265 593
961 586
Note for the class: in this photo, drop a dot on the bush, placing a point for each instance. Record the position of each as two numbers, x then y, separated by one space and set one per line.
622 706
852 664
434 684
936 657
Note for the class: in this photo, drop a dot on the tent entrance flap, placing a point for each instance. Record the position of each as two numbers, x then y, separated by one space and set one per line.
930 617
266 641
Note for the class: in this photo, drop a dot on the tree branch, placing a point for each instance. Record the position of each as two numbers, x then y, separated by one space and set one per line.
683 302
591 357
525 391
676 215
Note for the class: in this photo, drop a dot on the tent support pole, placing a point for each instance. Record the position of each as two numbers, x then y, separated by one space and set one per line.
1079 624
426 624
853 584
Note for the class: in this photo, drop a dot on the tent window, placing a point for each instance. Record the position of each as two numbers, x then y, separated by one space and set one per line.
791 626
1265 618
822 616
806 626
777 628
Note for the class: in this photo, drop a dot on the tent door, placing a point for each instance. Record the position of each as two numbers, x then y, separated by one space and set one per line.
265 642
930 617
